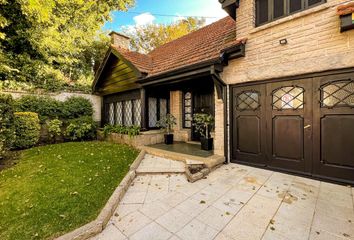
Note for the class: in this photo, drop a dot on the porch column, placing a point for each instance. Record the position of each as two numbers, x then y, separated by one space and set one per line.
144 111
219 126
180 134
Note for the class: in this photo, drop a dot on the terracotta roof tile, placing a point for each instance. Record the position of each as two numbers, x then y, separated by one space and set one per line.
199 46
345 9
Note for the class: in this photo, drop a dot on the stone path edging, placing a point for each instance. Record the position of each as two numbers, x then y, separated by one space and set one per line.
98 225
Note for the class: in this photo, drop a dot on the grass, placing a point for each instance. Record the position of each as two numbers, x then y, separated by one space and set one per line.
57 188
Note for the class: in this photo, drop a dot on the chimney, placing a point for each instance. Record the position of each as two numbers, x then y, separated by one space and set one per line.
120 40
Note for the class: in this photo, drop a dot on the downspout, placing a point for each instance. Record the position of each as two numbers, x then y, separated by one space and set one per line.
225 94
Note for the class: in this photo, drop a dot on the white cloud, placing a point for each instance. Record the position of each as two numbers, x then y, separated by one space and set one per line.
144 19
178 17
208 8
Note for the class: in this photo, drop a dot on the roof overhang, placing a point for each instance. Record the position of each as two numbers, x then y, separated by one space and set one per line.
230 7
112 52
206 68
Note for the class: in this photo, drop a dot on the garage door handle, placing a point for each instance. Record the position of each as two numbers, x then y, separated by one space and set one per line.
307 126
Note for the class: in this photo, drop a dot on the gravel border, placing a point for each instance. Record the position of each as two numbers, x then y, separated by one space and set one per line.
97 226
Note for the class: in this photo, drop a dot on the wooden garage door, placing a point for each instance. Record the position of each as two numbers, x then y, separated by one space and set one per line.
304 126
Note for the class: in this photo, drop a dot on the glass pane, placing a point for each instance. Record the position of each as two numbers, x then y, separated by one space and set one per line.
313 2
338 94
128 113
188 95
137 112
295 5
278 10
119 113
152 112
188 103
248 101
111 114
288 98
163 108
262 11
188 124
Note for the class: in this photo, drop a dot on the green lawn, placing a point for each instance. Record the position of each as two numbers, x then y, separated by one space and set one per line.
55 189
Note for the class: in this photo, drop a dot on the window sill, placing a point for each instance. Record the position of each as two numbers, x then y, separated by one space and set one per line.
293 17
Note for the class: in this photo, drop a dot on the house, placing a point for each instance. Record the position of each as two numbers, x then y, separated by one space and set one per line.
277 75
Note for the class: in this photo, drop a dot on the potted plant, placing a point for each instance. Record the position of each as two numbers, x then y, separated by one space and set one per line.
167 123
203 124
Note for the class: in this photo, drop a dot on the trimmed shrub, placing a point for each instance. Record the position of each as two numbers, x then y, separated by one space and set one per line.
76 107
45 107
6 123
27 129
80 129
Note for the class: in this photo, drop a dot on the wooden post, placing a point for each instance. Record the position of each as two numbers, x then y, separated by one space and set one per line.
144 112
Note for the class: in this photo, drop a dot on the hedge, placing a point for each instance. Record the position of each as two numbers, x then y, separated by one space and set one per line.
27 129
48 108
6 123
81 129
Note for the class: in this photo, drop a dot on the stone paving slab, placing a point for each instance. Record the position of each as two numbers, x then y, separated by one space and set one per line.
234 202
153 164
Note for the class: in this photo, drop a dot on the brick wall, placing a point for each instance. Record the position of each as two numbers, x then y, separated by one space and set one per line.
314 44
219 127
180 134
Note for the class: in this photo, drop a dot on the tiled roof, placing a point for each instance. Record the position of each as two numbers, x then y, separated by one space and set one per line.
345 9
199 46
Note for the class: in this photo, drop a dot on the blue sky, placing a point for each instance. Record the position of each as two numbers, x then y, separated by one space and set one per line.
145 11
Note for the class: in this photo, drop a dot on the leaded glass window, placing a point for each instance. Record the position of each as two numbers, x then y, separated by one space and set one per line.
128 113
111 114
137 112
152 112
188 110
163 108
248 100
290 97
338 94
119 113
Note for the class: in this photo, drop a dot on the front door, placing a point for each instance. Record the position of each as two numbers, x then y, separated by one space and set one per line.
289 121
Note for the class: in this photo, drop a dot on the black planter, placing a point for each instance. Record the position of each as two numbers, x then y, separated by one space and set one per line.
207 143
168 139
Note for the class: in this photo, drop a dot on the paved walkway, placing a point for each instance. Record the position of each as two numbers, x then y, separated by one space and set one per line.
235 202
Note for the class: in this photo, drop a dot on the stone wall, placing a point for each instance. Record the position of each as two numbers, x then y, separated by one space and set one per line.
315 44
62 96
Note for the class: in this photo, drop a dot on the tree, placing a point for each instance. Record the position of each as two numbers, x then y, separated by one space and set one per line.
50 42
148 37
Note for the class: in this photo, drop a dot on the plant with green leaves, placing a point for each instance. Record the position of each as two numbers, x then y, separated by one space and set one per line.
54 129
167 122
27 129
131 131
203 124
81 129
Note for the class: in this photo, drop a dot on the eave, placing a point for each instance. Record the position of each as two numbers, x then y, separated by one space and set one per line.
230 7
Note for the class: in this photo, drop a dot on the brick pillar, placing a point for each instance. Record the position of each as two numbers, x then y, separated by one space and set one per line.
176 110
219 126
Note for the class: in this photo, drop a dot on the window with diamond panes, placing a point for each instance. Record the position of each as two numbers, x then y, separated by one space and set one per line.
163 108
188 110
338 94
248 100
119 113
111 114
137 112
128 113
152 112
291 97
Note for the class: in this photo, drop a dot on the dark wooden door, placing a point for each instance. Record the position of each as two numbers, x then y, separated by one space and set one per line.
289 125
203 102
334 127
249 125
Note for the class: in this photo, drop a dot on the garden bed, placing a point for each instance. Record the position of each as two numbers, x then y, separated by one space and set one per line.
57 188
